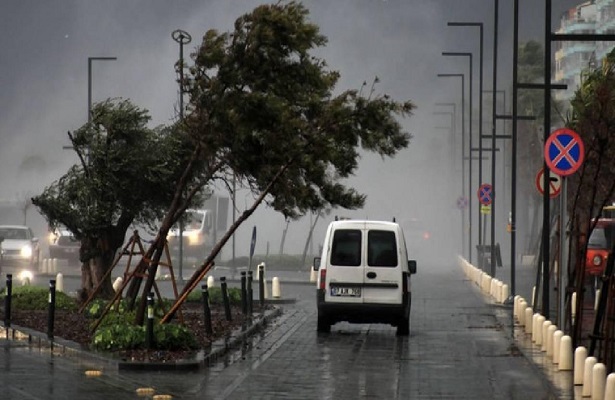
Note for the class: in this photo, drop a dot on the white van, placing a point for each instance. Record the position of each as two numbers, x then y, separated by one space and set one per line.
364 275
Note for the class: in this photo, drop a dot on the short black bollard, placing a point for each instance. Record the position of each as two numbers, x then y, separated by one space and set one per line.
149 329
225 300
52 309
7 301
244 294
261 285
206 310
250 293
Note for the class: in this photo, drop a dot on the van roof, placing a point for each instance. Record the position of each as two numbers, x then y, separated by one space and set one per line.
355 222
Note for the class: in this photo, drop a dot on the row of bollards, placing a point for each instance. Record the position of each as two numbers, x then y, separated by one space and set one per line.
488 285
587 371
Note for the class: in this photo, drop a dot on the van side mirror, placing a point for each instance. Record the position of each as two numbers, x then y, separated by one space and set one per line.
412 266
316 264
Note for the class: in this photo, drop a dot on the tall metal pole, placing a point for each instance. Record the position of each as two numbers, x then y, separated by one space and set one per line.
90 59
469 55
493 133
463 157
513 176
546 226
181 37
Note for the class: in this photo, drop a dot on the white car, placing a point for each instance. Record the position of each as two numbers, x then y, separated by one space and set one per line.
364 275
18 246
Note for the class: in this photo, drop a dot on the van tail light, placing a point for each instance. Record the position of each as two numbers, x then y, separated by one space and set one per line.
323 278
404 283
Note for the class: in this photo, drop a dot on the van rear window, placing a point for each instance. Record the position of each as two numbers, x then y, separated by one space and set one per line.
346 248
381 249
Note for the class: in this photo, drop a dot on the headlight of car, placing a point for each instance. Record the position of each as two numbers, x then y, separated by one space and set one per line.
597 260
26 251
194 238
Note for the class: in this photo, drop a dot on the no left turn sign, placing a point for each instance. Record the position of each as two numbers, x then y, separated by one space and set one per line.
555 183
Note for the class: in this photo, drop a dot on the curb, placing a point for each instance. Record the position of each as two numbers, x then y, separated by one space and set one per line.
203 358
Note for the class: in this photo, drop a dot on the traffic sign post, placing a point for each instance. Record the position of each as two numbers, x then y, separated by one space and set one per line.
554 181
485 194
564 153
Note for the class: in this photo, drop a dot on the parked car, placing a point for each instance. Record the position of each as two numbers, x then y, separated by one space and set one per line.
19 246
364 275
63 245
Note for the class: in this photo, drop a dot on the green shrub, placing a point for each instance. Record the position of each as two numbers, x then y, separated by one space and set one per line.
32 298
126 336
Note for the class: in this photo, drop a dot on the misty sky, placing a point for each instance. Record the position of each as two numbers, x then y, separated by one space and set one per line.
43 79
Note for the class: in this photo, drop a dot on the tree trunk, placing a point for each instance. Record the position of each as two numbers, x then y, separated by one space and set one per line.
96 259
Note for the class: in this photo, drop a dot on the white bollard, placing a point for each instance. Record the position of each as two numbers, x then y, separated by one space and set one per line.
528 319
545 328
43 266
609 392
211 281
516 302
598 381
522 308
565 353
587 375
275 288
557 340
117 284
573 306
580 354
59 282
54 266
504 293
550 333
540 320
258 271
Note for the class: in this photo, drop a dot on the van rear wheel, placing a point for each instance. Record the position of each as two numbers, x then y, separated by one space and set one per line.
324 325
403 327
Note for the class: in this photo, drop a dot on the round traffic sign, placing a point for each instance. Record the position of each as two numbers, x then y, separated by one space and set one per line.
555 183
462 202
564 151
485 194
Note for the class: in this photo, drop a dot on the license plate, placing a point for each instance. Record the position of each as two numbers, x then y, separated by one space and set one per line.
345 291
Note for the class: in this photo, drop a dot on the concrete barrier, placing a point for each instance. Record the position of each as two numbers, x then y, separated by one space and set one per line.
505 293
540 319
59 282
557 341
545 328
276 293
580 354
565 354
587 376
598 381
528 319
117 284
609 392
550 333
522 308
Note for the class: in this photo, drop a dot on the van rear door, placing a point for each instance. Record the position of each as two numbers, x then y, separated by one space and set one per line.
382 278
345 274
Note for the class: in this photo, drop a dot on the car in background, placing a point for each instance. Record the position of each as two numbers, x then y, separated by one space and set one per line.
197 237
19 246
63 245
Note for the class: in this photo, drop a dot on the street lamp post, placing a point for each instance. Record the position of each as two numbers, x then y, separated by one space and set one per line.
463 140
182 38
90 60
469 55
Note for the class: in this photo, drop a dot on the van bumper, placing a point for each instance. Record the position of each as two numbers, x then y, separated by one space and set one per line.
363 313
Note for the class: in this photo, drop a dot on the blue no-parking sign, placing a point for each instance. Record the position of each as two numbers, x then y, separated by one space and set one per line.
564 151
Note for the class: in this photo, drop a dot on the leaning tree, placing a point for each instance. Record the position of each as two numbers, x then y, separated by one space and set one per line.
125 175
263 111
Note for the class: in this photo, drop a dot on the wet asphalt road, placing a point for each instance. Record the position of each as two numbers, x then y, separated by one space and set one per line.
460 347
